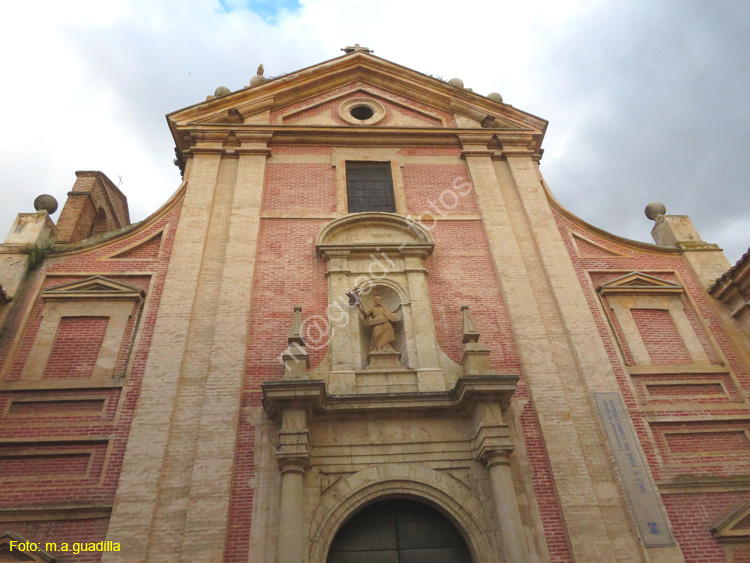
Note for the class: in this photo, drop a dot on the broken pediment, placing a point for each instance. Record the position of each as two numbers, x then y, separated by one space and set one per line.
414 100
95 287
636 282
14 548
735 526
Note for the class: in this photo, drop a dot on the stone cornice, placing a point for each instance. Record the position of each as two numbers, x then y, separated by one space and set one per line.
55 512
345 70
217 136
312 396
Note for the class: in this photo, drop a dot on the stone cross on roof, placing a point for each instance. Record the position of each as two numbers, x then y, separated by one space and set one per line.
357 48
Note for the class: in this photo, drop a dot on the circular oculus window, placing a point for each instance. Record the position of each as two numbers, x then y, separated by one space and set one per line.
361 111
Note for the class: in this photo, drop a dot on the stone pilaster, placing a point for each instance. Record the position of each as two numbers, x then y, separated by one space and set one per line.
211 482
516 230
579 366
187 414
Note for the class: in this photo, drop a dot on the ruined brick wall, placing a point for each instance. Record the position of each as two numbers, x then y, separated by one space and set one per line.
94 205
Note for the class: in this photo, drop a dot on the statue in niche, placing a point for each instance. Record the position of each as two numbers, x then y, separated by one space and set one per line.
380 320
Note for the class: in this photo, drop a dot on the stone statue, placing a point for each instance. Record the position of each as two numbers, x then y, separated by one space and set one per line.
259 72
381 320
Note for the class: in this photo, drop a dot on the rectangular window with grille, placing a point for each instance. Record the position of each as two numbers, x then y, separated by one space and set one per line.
369 187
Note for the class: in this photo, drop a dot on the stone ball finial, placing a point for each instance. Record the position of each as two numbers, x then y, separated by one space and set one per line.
654 209
495 97
456 82
45 202
257 79
221 91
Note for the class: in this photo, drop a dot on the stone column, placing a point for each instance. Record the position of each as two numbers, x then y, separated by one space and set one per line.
290 519
506 504
293 457
492 446
172 502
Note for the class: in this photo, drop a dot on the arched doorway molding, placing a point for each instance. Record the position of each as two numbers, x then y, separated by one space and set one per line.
349 495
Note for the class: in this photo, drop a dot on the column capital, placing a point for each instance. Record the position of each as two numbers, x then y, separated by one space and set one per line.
494 457
475 145
479 138
292 464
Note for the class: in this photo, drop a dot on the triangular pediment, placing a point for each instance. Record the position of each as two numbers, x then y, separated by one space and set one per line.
327 109
11 553
735 526
416 100
96 287
637 282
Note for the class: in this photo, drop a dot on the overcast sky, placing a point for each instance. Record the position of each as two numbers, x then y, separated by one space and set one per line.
647 99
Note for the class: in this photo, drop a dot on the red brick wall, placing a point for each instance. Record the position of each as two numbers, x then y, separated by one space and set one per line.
461 271
697 514
660 336
432 188
76 347
305 188
148 250
678 452
64 425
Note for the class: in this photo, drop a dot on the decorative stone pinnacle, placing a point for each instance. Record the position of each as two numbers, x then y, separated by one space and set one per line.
357 49
471 334
295 333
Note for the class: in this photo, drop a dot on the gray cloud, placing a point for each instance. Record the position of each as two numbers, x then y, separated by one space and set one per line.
645 100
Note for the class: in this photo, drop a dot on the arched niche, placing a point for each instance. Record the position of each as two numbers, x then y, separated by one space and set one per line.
384 252
391 299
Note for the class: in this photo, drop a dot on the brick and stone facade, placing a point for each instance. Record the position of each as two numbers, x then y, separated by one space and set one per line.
202 385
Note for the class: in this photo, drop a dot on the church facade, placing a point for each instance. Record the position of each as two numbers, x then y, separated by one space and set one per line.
363 329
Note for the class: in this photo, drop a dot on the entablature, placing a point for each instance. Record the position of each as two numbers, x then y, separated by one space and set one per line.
311 395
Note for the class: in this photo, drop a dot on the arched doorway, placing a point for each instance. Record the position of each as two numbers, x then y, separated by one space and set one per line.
398 531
